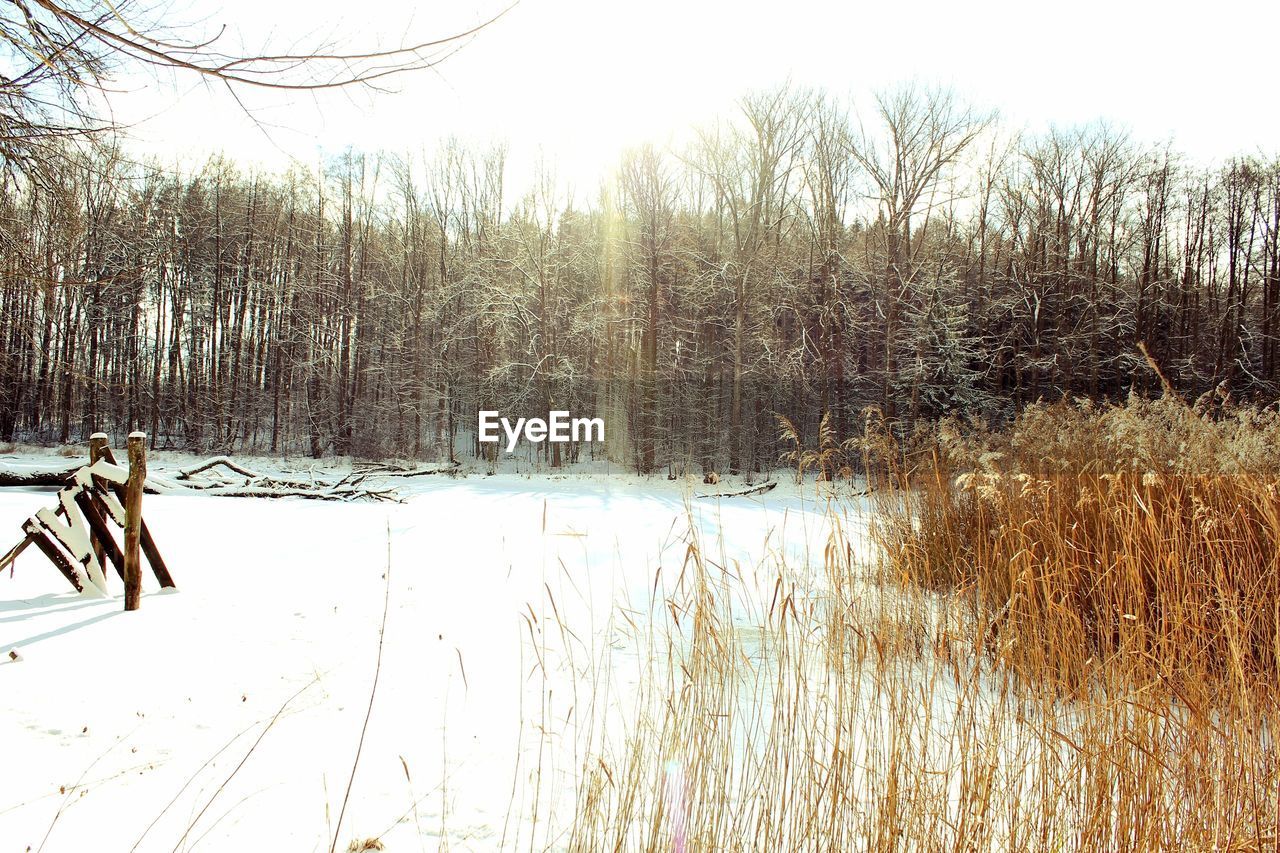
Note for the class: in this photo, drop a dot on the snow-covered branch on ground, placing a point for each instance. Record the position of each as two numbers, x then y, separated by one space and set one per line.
211 477
382 470
739 493
334 493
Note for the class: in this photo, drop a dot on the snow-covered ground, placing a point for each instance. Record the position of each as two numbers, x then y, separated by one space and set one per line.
227 716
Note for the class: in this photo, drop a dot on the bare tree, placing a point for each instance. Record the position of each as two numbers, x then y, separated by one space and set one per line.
648 189
62 50
754 171
228 309
922 134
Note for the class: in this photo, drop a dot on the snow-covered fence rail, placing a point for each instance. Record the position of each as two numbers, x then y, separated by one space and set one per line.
76 537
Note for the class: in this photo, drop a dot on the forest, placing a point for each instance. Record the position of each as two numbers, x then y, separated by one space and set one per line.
914 258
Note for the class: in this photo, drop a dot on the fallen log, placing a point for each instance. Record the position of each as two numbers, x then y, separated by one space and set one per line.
426 470
740 493
11 478
224 477
187 475
216 462
248 483
333 494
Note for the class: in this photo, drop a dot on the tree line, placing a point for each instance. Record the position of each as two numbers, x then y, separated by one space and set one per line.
914 258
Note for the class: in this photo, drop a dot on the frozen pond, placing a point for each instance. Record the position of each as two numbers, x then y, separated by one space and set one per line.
513 605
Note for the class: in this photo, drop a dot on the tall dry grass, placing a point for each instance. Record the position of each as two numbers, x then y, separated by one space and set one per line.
1126 558
1141 540
1070 643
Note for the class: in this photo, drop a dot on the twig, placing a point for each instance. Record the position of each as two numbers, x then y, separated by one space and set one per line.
243 760
373 691
76 786
200 770
216 462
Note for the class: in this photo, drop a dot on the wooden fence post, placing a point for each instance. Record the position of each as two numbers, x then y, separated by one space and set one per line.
133 520
98 447
148 543
89 503
97 443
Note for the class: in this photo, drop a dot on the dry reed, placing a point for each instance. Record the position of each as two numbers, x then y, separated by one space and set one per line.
1070 643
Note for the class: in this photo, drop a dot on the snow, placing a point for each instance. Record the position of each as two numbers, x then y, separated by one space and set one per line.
104 469
503 643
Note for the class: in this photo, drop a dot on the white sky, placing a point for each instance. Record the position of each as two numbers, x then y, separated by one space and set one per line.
580 80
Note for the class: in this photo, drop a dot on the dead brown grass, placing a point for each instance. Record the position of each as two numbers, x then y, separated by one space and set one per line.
1064 647
1158 562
